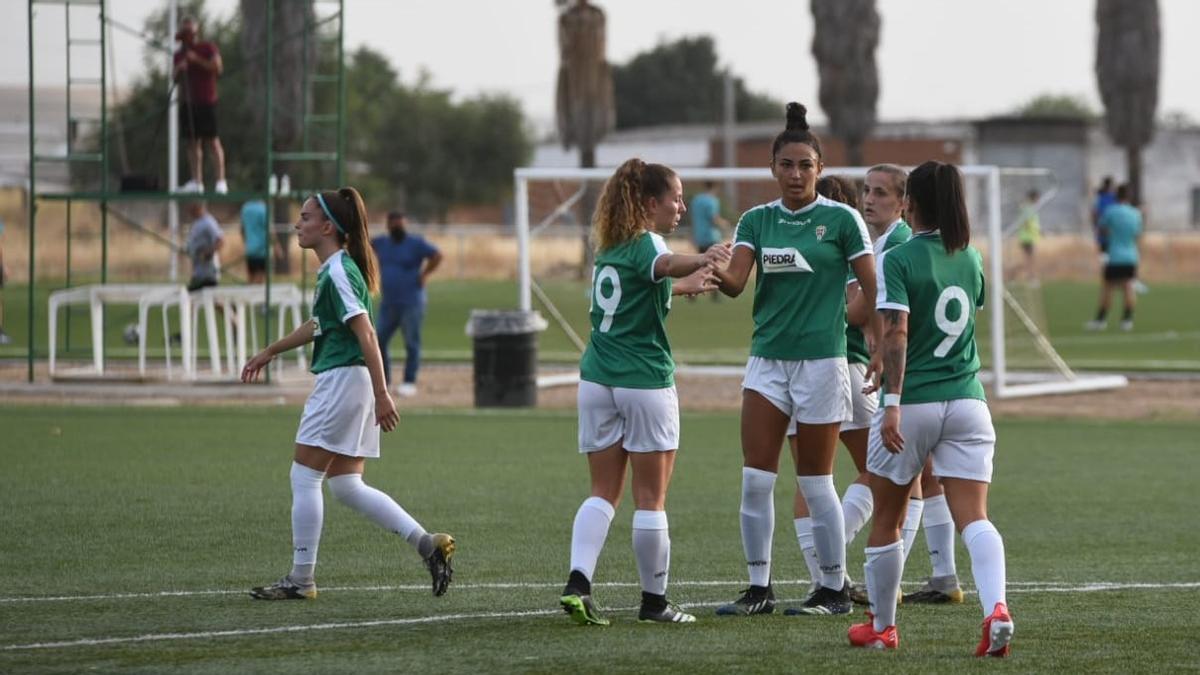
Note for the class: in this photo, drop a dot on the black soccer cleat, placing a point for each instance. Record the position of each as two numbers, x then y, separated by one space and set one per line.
285 589
824 602
438 562
668 613
754 600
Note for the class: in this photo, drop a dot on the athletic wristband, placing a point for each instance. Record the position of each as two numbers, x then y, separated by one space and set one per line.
891 400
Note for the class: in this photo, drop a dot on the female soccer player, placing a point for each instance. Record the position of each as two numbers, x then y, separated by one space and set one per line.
933 405
349 402
882 201
628 411
800 245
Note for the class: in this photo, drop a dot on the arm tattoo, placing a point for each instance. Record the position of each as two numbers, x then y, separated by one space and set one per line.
895 351
892 316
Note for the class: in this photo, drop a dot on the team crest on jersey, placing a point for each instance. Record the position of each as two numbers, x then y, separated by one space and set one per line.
820 232
784 260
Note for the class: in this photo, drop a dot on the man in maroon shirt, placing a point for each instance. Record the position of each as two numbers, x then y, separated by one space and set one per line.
197 66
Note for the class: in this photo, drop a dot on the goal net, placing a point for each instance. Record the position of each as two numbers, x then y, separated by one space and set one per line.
1015 342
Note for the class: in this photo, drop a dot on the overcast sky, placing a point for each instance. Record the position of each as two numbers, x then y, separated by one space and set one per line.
938 59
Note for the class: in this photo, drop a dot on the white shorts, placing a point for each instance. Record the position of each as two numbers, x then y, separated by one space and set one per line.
339 415
647 419
958 434
815 391
862 406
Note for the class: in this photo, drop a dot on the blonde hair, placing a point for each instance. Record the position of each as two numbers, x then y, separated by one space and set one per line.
621 212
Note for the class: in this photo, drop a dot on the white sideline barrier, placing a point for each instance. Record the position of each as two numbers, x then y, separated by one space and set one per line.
239 305
145 296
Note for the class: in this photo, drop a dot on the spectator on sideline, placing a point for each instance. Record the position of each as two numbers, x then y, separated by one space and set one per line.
204 241
197 66
1105 197
708 227
405 262
1121 226
254 235
1029 233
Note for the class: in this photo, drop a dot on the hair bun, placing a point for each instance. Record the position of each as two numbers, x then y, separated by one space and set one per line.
797 117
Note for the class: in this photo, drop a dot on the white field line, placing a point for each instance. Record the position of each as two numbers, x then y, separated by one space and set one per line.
1052 586
1030 587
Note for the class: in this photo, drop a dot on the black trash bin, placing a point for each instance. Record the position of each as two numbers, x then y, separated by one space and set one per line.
505 351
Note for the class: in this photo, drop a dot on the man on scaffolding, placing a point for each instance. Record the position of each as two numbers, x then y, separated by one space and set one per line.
197 66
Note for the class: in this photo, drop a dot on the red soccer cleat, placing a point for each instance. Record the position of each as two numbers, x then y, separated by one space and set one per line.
865 635
997 633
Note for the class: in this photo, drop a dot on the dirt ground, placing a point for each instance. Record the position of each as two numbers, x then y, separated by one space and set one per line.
451 386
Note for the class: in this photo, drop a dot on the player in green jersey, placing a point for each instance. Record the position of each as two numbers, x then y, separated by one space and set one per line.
628 410
933 405
799 246
883 201
349 402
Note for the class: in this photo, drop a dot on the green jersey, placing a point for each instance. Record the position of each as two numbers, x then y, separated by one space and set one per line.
340 296
800 292
940 292
628 346
856 344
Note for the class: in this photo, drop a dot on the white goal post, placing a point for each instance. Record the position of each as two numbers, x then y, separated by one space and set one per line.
1005 384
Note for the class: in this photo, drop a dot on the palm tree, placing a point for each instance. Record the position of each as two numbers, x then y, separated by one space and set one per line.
586 111
845 35
1128 41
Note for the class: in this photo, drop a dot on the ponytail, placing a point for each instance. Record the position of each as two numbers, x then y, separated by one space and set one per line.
796 131
346 207
620 214
936 192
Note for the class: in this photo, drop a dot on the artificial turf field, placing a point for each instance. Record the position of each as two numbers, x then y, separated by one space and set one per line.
130 536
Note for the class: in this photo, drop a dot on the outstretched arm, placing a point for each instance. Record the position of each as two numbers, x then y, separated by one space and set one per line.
678 265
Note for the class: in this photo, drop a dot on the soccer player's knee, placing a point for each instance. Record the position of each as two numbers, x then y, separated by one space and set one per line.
344 487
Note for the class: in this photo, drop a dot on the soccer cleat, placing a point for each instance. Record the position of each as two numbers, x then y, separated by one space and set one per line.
438 562
937 591
824 602
1127 325
666 614
865 635
582 611
284 589
858 594
1095 325
997 633
754 600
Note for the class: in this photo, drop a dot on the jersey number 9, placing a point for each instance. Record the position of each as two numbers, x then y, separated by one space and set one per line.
952 328
608 303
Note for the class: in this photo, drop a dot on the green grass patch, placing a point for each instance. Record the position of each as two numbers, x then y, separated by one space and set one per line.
102 501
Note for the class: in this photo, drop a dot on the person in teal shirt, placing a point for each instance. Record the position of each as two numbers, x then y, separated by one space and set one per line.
254 234
708 227
1121 226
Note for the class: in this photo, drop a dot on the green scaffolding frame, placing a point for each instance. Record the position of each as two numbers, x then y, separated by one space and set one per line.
105 194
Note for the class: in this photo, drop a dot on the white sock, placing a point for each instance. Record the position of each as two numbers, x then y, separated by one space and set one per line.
883 569
939 536
987 562
588 534
808 548
829 530
308 513
758 523
857 505
912 522
652 549
377 506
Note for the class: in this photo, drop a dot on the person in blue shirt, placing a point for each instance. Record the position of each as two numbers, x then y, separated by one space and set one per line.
1121 226
708 227
254 234
405 262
